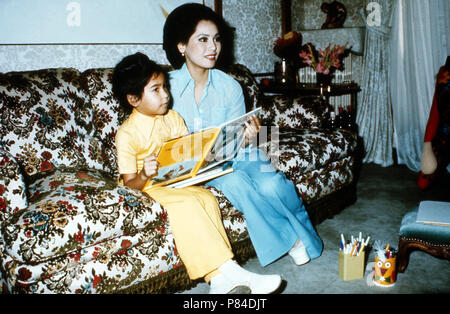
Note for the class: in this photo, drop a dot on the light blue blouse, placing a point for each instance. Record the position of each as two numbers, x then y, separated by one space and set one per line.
222 99
275 215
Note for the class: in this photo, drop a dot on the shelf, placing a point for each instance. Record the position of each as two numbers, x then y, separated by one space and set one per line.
336 36
311 89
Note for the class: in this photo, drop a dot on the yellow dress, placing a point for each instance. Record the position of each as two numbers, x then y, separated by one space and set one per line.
194 214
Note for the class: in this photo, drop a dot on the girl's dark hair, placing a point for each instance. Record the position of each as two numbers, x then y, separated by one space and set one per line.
131 75
181 24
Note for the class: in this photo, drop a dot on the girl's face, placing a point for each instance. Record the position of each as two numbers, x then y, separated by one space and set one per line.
154 99
203 47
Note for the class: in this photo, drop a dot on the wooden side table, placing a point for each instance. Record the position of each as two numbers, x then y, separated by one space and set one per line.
309 89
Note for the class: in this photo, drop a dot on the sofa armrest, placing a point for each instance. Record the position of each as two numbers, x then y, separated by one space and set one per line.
303 112
13 191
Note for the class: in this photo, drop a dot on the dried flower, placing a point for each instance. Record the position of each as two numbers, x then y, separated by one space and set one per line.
324 61
288 46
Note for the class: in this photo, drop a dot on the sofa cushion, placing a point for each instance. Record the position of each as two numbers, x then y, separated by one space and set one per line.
74 209
103 267
299 112
106 273
13 195
79 226
304 154
108 115
321 182
46 119
306 149
245 78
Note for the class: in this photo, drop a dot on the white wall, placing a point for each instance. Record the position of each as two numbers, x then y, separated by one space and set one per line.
257 23
80 56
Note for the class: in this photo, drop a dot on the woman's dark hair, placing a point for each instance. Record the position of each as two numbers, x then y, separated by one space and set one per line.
131 75
181 24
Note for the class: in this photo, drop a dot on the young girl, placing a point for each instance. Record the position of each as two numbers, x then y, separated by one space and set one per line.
193 212
276 218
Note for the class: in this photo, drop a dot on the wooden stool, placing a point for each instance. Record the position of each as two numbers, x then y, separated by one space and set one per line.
432 239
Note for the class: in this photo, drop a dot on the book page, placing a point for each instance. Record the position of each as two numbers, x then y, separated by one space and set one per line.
229 141
202 177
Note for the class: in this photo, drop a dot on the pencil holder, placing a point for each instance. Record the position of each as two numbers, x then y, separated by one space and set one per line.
351 267
385 272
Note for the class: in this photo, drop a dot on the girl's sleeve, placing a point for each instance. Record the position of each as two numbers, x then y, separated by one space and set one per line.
179 126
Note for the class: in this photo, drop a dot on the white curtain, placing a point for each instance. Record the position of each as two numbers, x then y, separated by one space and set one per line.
374 115
420 44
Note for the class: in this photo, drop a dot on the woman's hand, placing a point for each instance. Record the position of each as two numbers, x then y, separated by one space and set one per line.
251 129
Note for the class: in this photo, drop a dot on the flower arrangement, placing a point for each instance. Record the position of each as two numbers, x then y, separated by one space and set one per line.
324 61
288 46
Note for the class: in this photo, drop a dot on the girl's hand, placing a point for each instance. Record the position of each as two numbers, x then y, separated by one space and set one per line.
251 128
138 180
150 167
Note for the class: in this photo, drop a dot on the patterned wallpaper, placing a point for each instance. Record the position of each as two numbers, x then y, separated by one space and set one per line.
81 57
307 15
257 23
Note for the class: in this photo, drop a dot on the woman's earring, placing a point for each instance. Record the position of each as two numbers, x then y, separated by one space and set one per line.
182 54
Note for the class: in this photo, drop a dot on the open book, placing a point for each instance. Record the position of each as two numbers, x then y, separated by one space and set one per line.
201 156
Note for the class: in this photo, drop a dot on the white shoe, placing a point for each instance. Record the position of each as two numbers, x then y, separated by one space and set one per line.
220 284
299 254
239 277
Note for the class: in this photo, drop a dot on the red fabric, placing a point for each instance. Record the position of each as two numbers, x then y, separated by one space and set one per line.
433 120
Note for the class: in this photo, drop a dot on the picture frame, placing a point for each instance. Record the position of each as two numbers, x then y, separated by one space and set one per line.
91 22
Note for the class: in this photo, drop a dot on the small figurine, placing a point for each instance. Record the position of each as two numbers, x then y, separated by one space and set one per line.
336 14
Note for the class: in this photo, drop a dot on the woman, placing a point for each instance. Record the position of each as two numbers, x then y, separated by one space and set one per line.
204 96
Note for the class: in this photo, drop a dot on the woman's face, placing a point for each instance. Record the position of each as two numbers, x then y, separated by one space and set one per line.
203 47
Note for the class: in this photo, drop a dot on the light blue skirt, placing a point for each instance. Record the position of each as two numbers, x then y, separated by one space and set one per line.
274 213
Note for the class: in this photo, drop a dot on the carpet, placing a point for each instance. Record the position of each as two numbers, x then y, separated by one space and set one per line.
384 195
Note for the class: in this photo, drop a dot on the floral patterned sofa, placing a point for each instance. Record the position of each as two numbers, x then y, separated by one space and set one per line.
65 224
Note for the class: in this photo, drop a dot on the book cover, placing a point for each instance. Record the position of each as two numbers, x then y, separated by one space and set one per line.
433 212
203 152
181 158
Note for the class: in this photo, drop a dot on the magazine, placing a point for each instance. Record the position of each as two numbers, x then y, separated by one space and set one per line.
433 212
204 152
